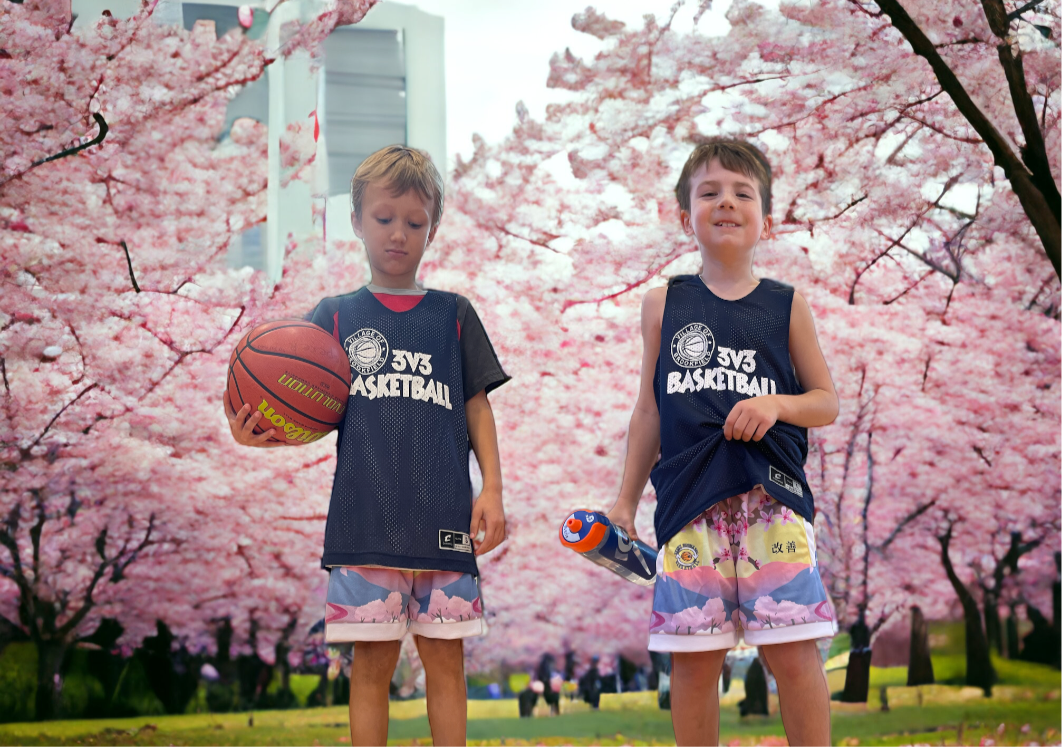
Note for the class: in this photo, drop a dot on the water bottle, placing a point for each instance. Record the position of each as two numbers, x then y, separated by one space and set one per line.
593 536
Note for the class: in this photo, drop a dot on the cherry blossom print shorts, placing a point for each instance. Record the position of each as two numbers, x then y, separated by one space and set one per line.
745 566
379 604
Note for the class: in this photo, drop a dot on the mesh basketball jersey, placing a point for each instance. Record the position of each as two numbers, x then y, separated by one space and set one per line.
402 496
713 354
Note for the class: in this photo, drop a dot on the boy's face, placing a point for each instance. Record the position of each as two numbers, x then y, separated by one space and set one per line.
726 211
396 231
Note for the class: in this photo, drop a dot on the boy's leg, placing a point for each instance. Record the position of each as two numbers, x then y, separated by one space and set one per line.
695 696
803 693
784 609
370 680
444 679
444 608
357 598
693 618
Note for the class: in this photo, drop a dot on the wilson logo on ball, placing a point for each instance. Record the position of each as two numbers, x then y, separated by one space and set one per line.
310 393
291 431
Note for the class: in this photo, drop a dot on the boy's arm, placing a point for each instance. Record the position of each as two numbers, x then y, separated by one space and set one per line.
643 438
487 512
751 418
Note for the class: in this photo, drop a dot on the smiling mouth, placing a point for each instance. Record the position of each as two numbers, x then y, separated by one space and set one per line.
727 224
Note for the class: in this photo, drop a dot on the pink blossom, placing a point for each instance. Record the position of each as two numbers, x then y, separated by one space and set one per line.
774 614
459 609
715 615
690 620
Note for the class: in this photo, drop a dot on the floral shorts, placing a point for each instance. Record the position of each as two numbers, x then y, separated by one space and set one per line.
746 565
379 604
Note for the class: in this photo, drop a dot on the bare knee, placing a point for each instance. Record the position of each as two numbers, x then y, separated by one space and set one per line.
441 656
374 661
697 668
790 662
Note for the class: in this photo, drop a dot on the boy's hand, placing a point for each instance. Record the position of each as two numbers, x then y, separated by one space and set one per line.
623 518
751 418
242 426
488 517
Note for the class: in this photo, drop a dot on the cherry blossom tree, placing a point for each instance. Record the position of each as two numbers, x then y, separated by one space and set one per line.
121 497
892 220
937 309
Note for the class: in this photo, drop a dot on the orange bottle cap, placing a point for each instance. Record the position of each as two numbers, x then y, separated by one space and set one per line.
574 524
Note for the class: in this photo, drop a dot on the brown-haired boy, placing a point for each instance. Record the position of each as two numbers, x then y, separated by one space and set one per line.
732 377
402 524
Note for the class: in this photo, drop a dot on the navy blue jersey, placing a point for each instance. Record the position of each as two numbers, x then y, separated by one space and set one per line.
713 354
402 496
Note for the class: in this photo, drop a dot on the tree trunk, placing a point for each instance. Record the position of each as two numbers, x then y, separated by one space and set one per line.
50 655
857 675
979 671
1041 645
920 665
1012 634
993 629
1056 593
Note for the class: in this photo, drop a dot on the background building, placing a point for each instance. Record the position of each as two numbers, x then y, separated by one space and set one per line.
382 81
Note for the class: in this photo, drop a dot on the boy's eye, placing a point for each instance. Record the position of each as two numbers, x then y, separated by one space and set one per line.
383 221
415 226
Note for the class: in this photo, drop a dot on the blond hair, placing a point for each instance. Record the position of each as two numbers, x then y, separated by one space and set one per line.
733 155
401 169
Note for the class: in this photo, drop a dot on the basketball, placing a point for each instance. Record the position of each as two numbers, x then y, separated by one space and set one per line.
296 374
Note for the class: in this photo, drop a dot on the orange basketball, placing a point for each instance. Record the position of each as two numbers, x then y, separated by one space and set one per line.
296 374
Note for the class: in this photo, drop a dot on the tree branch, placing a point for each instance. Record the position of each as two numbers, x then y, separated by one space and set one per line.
101 123
1034 153
129 262
905 521
1017 12
51 422
1042 215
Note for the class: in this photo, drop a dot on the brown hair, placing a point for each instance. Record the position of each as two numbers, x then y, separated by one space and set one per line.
401 169
733 155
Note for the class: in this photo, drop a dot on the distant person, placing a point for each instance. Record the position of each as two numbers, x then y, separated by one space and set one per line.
546 676
526 701
732 378
590 684
401 537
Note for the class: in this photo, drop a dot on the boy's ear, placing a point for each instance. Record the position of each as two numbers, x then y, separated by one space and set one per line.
687 224
355 222
431 233
768 223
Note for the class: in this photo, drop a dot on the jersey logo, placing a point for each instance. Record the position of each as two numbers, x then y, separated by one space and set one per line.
780 478
367 350
693 345
456 541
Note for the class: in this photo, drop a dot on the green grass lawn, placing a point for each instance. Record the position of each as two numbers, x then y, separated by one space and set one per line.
1028 697
930 723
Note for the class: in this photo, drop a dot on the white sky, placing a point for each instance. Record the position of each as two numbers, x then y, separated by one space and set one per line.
497 53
